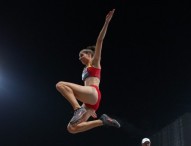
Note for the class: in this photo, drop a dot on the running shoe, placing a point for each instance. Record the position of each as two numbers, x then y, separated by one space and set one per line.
78 113
107 121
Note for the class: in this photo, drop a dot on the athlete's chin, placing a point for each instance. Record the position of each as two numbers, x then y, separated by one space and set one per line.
84 62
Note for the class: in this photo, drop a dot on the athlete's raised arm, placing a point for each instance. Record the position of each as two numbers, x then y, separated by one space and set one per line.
98 48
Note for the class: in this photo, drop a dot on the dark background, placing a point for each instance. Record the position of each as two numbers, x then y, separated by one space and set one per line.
145 77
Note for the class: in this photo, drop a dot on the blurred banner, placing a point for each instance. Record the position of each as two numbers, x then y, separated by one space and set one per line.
177 133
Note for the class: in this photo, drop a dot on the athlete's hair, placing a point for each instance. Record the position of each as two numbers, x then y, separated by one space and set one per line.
89 49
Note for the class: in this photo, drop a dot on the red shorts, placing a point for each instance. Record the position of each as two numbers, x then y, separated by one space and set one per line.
95 106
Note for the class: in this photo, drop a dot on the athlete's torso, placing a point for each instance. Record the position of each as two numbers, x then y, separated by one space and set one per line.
91 76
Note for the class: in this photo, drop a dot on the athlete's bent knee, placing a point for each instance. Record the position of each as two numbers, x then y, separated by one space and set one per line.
72 129
59 85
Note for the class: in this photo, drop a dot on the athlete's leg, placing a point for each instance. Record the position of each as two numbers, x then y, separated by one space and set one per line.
72 92
87 125
83 124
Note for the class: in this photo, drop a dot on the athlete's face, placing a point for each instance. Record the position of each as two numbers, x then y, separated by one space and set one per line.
84 57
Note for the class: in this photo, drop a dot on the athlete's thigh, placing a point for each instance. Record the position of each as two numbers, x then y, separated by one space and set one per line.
86 94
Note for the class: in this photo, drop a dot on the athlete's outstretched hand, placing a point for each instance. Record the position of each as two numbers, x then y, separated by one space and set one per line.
109 16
